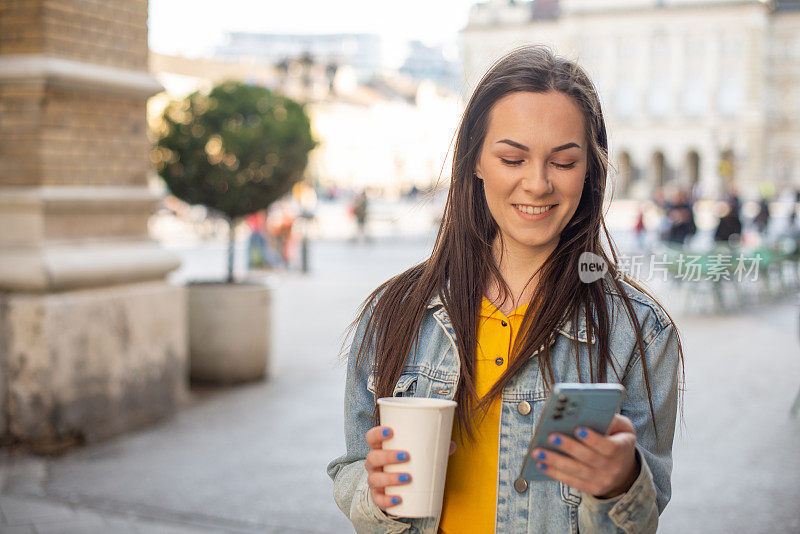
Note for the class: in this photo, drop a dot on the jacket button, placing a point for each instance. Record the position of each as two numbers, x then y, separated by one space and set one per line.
520 485
524 407
503 323
499 361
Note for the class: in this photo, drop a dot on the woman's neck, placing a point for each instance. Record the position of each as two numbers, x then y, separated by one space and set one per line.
517 264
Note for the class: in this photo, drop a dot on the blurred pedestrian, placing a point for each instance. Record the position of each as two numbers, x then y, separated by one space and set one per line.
360 211
280 221
663 205
761 220
639 229
681 217
794 195
259 252
729 229
733 199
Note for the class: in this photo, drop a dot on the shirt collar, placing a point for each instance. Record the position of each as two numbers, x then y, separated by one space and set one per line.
488 309
576 332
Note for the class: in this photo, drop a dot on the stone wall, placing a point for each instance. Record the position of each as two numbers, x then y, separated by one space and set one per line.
101 32
88 364
92 339
55 136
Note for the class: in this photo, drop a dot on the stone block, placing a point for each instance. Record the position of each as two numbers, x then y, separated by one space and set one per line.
81 366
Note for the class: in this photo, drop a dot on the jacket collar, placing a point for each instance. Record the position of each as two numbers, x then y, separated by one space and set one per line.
567 328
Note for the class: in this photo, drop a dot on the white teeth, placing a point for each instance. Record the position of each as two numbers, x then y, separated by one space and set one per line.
530 210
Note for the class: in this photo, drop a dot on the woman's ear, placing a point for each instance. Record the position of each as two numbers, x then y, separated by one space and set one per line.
477 172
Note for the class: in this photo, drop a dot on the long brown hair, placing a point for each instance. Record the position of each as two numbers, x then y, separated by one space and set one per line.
461 263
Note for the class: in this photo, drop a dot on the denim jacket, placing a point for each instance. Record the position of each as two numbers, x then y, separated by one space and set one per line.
432 370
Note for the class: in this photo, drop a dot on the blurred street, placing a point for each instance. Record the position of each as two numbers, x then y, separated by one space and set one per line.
252 458
142 141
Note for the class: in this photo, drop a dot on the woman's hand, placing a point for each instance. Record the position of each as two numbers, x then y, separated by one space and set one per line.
377 458
603 466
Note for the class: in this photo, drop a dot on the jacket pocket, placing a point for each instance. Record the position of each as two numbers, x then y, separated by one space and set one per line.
570 495
572 498
405 387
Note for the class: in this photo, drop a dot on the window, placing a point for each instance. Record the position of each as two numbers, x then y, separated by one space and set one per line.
694 90
659 83
730 98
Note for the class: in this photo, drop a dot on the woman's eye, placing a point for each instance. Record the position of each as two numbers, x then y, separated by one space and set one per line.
562 166
509 162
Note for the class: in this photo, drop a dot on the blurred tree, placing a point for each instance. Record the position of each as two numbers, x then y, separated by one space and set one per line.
235 150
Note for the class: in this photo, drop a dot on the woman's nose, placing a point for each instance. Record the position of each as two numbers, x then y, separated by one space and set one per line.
536 181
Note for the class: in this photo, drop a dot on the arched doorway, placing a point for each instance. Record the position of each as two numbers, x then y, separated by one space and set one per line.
659 170
726 168
625 173
693 168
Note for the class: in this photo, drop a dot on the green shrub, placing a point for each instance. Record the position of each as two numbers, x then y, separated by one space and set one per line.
235 150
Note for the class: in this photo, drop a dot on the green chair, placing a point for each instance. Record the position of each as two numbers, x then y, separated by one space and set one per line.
713 268
796 404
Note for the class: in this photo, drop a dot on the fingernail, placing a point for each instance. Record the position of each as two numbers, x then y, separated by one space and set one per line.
556 440
395 500
404 478
541 455
542 467
386 432
582 433
401 456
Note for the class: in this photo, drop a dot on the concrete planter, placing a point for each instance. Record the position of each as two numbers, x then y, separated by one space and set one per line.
229 331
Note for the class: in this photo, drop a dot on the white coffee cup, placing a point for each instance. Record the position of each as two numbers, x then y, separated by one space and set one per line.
422 427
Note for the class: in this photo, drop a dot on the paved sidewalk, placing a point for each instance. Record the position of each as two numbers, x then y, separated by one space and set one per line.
252 458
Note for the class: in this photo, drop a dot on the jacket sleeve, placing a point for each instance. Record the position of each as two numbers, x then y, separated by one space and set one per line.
350 489
638 509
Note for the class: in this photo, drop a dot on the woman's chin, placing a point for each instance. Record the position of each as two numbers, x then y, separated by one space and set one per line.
536 243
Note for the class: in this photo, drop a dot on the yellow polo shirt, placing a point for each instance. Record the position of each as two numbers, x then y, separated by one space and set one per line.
470 492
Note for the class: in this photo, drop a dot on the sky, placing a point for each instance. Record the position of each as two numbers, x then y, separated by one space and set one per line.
193 28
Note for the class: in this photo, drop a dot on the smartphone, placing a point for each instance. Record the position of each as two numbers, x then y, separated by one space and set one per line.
569 406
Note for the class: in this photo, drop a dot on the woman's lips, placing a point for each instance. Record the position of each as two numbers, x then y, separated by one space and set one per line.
529 212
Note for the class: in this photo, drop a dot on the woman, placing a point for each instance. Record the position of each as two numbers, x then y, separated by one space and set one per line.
525 202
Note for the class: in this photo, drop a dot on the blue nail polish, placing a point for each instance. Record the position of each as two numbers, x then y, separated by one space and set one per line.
395 500
401 456
404 478
386 432
542 467
541 455
556 440
582 433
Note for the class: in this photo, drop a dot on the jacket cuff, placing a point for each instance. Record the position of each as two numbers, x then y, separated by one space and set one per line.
635 506
376 516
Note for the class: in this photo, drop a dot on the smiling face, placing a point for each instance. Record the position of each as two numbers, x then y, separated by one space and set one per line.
533 163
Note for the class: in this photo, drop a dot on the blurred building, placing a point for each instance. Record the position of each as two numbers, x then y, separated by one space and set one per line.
694 92
388 134
429 63
388 137
92 337
363 52
181 76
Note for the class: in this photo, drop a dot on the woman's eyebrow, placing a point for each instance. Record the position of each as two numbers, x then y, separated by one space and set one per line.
526 149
